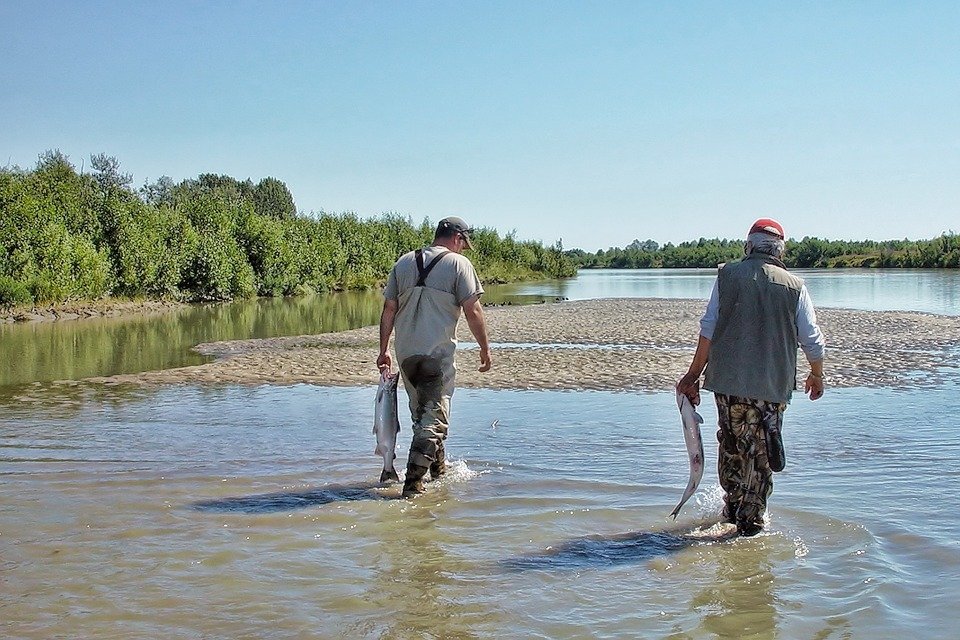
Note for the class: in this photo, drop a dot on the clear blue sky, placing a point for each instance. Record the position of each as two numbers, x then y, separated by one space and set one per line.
594 122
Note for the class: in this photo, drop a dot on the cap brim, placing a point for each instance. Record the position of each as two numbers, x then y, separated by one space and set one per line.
768 230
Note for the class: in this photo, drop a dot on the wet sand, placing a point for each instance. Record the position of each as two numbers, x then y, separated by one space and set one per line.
611 344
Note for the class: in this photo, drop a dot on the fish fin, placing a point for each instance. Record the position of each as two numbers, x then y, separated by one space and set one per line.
378 451
389 475
676 511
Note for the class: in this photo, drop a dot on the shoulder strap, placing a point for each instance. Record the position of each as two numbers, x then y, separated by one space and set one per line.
425 271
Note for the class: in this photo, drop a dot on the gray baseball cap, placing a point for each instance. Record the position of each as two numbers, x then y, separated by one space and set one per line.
457 224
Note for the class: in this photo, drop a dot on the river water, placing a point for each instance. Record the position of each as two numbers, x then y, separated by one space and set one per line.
235 512
927 290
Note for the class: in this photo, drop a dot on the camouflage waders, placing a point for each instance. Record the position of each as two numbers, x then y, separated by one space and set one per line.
742 463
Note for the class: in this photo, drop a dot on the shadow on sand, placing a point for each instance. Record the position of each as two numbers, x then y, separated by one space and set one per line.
599 551
292 500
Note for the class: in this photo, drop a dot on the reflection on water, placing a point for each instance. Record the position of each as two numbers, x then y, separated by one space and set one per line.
73 350
741 601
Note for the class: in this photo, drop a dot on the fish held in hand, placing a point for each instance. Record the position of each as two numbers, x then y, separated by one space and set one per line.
386 424
691 436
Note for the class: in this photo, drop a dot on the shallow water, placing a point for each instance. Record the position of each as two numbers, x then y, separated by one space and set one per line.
252 512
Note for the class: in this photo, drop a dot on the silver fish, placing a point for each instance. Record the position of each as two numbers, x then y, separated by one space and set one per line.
386 424
691 436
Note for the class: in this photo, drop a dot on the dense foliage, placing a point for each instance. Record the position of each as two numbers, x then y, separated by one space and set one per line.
69 236
940 252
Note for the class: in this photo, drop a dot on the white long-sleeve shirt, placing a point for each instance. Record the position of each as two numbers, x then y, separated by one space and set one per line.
809 335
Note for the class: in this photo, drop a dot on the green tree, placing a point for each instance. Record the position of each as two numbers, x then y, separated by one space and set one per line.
272 199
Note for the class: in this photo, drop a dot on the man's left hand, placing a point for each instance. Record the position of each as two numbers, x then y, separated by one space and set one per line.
485 360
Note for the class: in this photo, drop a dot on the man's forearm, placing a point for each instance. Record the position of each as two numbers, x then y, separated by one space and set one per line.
700 357
473 312
387 318
478 327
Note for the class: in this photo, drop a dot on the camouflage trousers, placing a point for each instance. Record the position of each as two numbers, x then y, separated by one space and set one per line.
742 462
429 385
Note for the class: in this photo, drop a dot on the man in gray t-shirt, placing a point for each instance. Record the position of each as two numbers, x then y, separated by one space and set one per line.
425 293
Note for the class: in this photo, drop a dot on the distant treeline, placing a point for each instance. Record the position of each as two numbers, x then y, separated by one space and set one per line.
941 252
72 236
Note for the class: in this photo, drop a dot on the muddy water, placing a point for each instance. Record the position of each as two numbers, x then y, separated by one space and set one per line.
252 513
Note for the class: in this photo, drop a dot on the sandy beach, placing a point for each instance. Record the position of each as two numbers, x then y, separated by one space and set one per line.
611 344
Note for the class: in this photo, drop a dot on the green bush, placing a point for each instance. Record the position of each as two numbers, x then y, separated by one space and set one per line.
270 254
66 236
217 270
14 293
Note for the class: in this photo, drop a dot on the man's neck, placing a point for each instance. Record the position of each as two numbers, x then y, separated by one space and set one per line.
446 243
766 257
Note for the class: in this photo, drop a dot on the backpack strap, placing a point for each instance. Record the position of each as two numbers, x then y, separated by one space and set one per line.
425 271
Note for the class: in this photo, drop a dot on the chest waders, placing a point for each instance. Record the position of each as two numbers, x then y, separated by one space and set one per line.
425 344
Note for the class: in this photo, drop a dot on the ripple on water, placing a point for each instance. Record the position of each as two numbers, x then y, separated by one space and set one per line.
242 512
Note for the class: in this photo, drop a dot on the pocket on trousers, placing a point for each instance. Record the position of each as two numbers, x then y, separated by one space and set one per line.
775 454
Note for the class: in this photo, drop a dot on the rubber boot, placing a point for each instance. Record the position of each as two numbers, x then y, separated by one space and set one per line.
413 483
439 466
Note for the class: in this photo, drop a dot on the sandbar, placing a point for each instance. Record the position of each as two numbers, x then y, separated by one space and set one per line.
628 344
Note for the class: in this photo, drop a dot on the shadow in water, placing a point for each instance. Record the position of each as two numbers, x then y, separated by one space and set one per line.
598 551
292 500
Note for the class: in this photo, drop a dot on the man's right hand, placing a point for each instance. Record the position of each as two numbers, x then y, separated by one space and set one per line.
689 385
384 361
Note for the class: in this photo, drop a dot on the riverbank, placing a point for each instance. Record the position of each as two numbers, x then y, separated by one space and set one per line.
631 344
88 309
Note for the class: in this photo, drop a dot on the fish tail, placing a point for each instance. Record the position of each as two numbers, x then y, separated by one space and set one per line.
389 475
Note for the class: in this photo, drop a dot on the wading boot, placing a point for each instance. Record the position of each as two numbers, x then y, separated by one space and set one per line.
439 466
413 483
749 520
729 513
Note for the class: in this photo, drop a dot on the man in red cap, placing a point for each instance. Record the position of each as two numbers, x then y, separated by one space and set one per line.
425 294
757 315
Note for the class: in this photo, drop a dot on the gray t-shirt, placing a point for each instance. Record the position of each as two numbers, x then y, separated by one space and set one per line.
427 316
454 274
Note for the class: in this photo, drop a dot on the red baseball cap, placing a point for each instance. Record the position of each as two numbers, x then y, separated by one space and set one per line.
768 225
